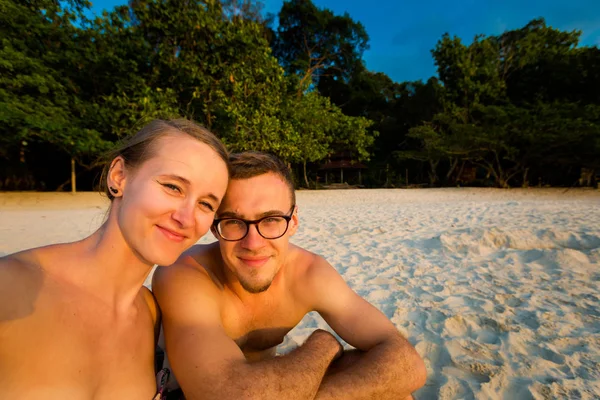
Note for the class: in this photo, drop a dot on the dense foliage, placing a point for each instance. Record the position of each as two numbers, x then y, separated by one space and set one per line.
519 107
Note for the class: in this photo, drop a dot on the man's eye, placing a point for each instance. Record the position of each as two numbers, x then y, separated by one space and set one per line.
233 222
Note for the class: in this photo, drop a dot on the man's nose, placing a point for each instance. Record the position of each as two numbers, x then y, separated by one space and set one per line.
253 239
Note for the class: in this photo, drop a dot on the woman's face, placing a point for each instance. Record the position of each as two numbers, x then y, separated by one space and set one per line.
168 202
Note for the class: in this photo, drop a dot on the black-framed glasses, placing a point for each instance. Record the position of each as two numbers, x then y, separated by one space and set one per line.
269 227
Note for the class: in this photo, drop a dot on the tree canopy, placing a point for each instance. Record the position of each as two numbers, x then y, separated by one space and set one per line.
519 107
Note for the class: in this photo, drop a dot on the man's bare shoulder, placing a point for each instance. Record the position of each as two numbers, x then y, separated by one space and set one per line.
194 267
21 280
308 269
152 304
306 264
186 292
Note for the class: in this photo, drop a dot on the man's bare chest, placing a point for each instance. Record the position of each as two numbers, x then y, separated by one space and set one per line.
261 329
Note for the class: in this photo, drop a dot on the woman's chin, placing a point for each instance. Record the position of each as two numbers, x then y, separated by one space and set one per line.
161 259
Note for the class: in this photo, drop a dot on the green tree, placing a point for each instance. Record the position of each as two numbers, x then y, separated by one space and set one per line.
507 103
313 42
220 67
39 99
321 128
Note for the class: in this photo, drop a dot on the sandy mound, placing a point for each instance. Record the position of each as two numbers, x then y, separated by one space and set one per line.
497 289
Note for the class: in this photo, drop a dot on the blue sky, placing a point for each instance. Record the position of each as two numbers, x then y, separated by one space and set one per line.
402 33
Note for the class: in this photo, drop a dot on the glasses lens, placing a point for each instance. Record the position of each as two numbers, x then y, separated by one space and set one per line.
272 227
232 229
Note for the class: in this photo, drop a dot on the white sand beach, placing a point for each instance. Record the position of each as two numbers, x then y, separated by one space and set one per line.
499 290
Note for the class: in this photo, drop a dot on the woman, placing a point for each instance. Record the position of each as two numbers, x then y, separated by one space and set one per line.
75 320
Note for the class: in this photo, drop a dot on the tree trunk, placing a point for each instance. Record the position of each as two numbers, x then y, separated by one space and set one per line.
22 153
433 178
501 177
490 171
387 175
525 181
460 171
73 177
305 176
452 168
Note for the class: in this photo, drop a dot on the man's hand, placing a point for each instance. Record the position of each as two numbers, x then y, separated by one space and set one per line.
321 334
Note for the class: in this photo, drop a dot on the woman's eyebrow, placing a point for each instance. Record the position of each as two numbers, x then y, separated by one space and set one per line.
213 197
176 177
187 183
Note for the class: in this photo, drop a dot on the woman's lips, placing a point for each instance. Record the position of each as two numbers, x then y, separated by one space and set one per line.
174 236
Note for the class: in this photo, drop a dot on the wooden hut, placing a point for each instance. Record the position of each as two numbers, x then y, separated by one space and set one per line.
341 162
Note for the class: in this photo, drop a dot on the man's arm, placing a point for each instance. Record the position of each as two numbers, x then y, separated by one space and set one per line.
388 367
209 365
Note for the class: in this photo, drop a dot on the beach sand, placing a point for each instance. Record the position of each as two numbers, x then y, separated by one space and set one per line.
497 289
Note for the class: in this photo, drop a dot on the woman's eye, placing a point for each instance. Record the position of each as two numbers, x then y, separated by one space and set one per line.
172 187
207 205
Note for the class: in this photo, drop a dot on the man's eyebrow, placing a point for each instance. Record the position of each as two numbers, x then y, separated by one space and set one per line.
271 213
229 214
232 214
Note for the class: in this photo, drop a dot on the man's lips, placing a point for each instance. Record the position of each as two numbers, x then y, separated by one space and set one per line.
254 261
171 235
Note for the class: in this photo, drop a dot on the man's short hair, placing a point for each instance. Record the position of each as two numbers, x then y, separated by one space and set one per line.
249 164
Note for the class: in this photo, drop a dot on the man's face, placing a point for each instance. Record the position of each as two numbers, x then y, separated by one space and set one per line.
254 260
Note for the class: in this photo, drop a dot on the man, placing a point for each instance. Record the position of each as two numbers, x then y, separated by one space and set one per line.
227 305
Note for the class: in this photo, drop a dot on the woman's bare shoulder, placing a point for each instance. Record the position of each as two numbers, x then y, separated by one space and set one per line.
20 265
21 279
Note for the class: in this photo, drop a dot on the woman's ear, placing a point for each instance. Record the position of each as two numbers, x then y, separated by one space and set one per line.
116 177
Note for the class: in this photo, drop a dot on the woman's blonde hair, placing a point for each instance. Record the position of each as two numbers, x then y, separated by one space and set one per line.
140 147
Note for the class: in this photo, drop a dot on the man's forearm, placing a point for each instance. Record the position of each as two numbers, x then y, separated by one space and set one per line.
296 375
391 370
